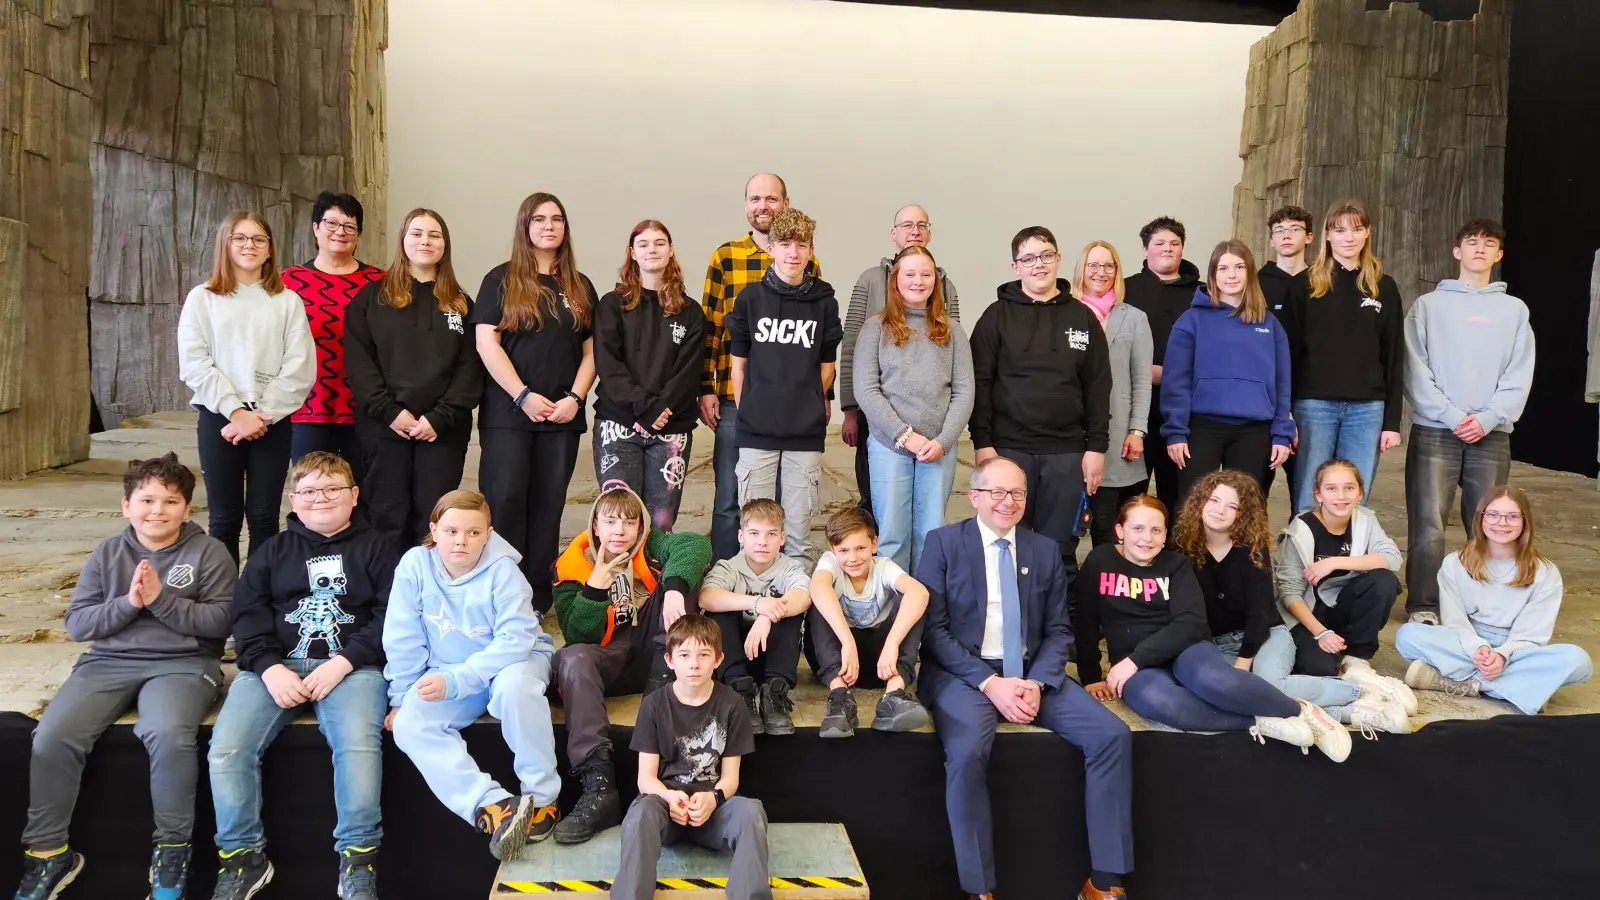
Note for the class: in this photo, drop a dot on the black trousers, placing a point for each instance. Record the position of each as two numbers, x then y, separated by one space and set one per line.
524 476
1214 444
825 652
863 472
1055 488
781 659
1363 606
405 478
1162 469
244 481
1104 505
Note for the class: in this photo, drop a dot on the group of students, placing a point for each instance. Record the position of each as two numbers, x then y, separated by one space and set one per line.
429 616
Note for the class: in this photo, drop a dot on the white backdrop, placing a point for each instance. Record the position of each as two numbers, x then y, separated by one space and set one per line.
632 109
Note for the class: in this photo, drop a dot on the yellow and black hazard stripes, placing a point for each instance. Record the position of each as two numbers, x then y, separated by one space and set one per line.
792 882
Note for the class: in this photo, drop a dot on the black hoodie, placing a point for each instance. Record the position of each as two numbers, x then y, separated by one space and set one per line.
1276 284
785 333
648 361
416 359
1148 613
1041 375
1346 345
1162 302
308 595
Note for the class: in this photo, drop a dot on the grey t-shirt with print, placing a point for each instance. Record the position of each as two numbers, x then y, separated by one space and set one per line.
870 606
733 574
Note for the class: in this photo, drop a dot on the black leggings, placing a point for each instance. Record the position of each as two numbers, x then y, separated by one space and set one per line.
524 476
244 481
1214 444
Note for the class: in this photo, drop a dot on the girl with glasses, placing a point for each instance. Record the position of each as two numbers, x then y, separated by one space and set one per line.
1498 600
246 352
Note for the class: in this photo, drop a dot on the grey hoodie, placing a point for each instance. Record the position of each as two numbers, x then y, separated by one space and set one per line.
1469 351
1296 550
191 617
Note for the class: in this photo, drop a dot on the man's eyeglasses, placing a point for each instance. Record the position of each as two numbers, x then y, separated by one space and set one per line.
1033 259
998 494
913 226
332 492
340 227
1100 267
252 240
1507 518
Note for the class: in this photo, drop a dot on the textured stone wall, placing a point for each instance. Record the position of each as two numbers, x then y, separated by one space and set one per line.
46 115
205 106
1391 107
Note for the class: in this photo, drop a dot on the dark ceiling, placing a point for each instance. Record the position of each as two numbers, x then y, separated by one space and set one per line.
1238 12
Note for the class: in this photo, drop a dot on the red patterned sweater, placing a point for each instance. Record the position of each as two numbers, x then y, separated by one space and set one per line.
325 296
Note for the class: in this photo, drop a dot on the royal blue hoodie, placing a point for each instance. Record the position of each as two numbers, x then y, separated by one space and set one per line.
1222 367
466 629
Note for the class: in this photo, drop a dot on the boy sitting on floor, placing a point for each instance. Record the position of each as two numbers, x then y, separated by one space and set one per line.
758 599
691 739
619 586
462 639
863 604
155 600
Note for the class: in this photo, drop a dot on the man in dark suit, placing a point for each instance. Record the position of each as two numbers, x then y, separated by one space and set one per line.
996 643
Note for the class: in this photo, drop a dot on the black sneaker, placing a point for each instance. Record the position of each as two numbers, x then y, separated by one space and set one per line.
243 874
506 824
657 681
169 871
839 718
45 877
776 707
599 806
899 711
358 873
746 687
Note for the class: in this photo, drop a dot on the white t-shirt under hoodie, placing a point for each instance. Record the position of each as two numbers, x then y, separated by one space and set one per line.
249 348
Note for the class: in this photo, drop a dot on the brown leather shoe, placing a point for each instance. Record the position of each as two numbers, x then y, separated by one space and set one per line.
980 897
1090 892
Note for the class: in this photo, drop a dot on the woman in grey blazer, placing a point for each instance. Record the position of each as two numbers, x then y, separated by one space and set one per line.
1098 285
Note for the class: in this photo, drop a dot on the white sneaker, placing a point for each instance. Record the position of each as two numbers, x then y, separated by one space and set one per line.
1426 617
1359 673
1424 677
1373 713
1295 730
1329 736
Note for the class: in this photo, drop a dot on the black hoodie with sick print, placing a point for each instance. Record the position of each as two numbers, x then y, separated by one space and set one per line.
305 595
784 332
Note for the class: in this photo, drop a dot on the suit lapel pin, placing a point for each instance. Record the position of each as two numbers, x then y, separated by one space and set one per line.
1024 570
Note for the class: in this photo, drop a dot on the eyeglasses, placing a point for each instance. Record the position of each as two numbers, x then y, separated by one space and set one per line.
1507 518
1099 267
1033 259
332 492
249 240
340 227
998 494
913 226
1282 230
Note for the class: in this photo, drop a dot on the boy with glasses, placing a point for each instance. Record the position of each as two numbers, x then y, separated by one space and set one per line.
308 622
1291 234
1042 384
911 228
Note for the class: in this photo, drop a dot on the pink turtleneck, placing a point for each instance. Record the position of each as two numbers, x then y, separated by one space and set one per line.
1101 305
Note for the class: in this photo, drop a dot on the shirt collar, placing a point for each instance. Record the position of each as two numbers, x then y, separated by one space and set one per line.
751 246
990 536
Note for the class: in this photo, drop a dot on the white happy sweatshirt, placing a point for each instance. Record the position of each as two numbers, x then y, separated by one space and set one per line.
249 348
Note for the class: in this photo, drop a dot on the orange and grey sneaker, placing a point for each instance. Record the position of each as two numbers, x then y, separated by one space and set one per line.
506 824
543 823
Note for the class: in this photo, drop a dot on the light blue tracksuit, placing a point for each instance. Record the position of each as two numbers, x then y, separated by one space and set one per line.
479 631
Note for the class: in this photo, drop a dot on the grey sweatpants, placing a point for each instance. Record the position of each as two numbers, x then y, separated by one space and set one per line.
801 470
172 696
740 825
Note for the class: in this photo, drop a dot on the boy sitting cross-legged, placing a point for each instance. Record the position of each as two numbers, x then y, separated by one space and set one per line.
308 628
462 638
758 599
619 586
155 601
863 604
691 739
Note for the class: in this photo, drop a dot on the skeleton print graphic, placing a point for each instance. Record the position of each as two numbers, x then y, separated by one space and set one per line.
703 751
319 615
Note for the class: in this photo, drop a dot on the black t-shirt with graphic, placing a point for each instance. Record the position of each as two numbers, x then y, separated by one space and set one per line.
1325 543
692 740
546 360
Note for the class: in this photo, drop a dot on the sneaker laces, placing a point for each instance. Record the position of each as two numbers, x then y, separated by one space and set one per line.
838 703
778 690
34 870
1454 688
231 876
170 865
360 875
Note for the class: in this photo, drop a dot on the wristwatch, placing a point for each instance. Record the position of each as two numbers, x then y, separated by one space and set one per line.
1136 431
721 797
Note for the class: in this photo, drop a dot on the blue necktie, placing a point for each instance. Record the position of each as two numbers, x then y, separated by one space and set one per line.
1010 612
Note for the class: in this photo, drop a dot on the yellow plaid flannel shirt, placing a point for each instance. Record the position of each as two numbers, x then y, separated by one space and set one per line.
734 266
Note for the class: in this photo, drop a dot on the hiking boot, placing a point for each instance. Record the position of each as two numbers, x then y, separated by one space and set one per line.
1424 677
1326 733
358 873
599 806
169 871
506 824
839 718
1371 714
243 874
777 707
1359 673
1425 617
1293 730
45 877
746 687
899 711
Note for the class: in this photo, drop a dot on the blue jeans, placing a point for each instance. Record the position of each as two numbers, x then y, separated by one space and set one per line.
908 500
1202 691
1275 661
1527 681
725 506
351 718
1335 429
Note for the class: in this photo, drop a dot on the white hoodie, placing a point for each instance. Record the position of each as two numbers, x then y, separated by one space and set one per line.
249 348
